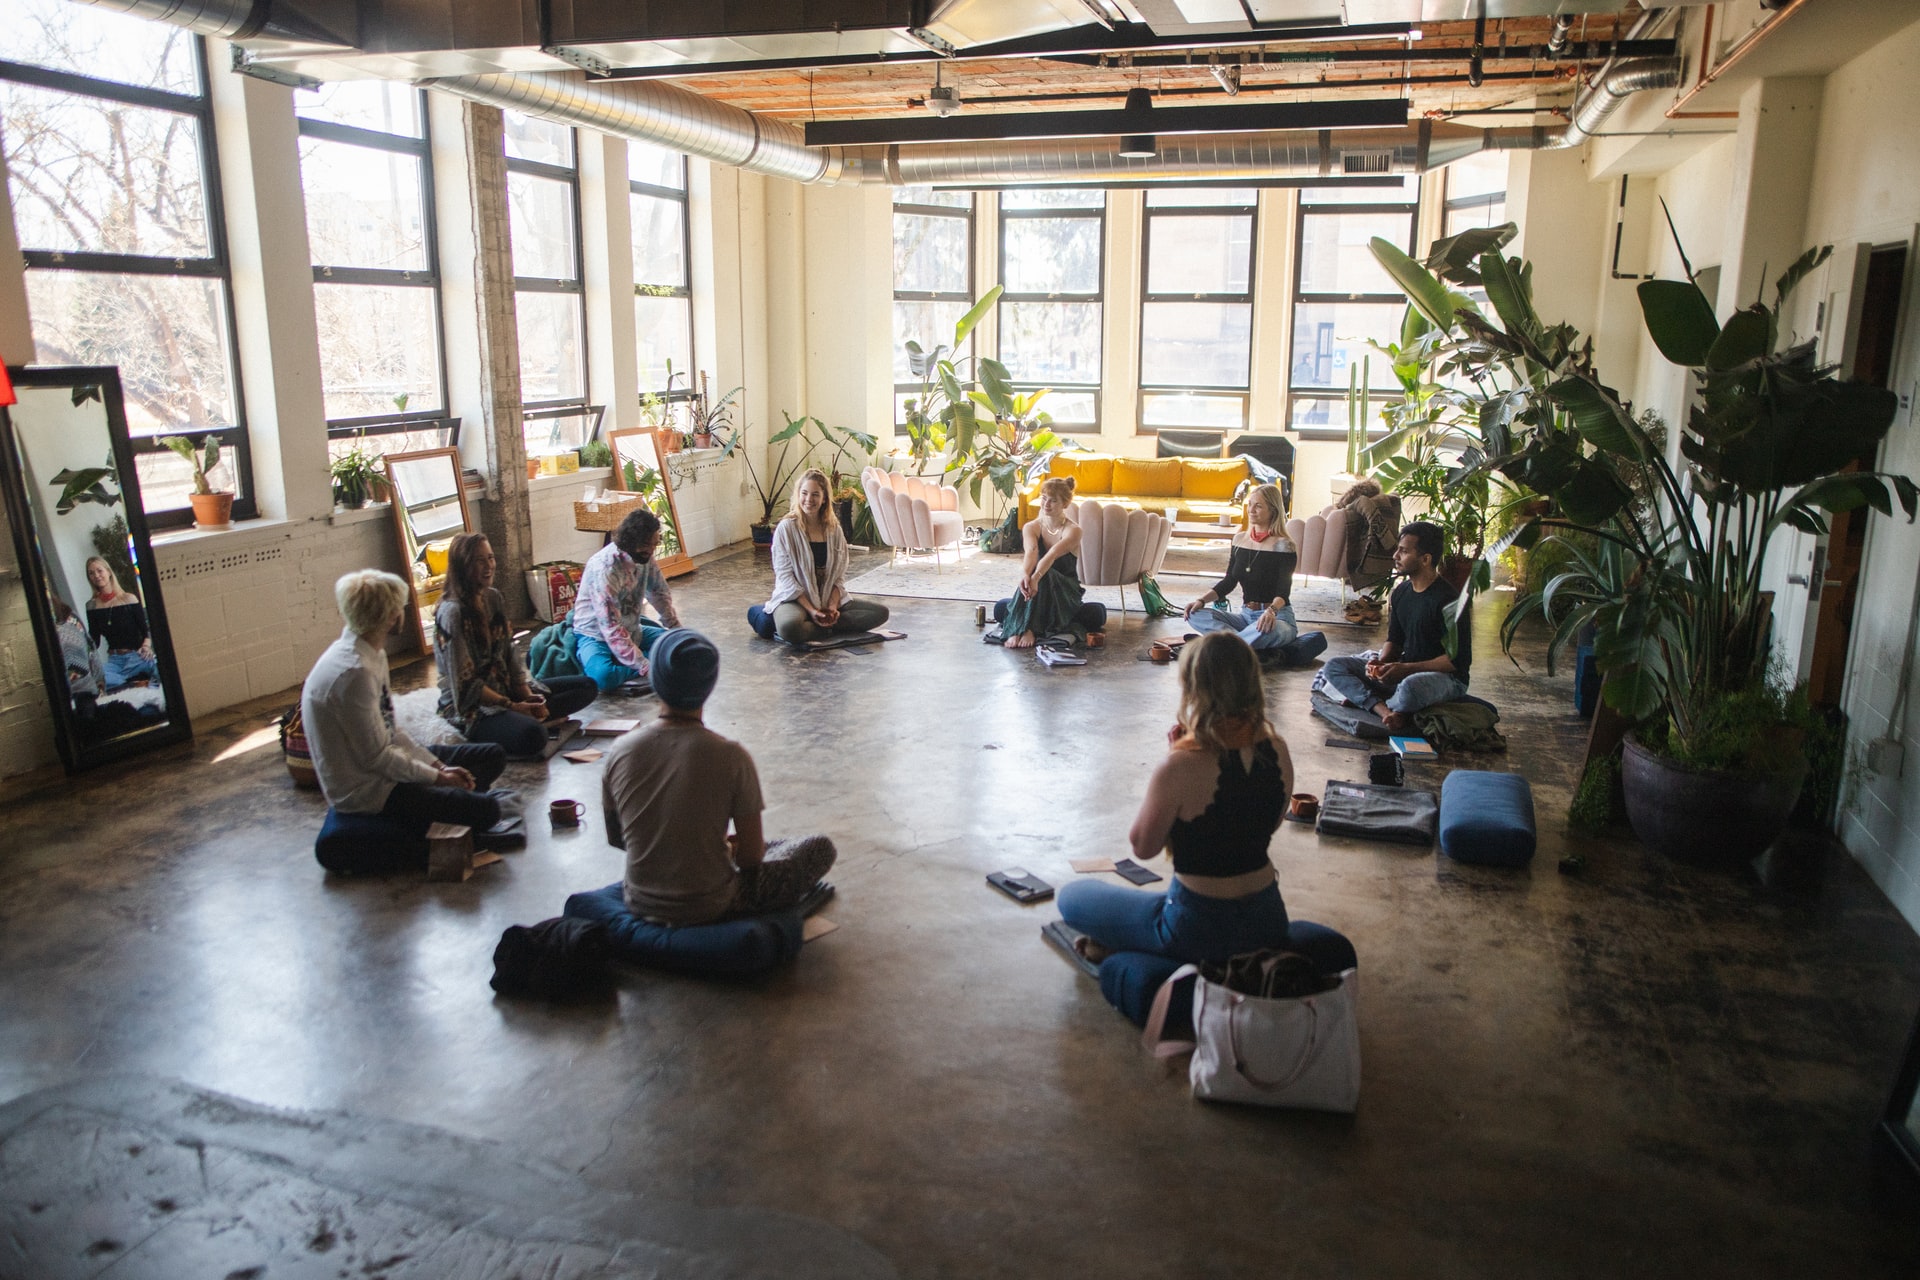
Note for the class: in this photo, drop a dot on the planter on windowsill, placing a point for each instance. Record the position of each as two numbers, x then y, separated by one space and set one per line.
212 510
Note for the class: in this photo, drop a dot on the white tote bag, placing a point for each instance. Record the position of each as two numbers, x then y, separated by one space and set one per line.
1302 1053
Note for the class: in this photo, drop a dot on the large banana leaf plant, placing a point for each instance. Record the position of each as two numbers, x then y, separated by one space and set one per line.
1673 590
934 412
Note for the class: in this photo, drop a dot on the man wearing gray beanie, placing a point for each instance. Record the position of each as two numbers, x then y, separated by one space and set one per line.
671 790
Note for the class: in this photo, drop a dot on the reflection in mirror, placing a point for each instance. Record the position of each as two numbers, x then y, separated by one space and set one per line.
637 468
429 510
86 565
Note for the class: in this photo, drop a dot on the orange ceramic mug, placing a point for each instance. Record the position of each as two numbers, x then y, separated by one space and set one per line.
1160 651
1304 805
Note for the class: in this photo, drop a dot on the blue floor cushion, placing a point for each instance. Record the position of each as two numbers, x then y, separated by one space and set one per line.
761 621
371 844
1486 818
750 945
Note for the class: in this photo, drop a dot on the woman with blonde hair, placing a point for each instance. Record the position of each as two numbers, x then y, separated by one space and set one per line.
1214 803
1050 593
117 618
810 557
1261 563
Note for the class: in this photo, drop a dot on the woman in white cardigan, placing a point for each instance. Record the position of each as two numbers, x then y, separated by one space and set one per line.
810 599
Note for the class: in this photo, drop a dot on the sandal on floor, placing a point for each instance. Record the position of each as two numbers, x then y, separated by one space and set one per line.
1065 939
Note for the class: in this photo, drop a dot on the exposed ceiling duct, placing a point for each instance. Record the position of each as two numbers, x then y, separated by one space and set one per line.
246 19
1616 83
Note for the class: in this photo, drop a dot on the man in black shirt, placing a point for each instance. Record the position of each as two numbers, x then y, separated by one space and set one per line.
1414 670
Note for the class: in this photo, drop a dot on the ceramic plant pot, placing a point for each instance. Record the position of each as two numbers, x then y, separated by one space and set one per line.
212 510
1707 817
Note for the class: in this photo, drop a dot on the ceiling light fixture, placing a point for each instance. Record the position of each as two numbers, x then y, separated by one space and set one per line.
1228 74
1138 146
941 100
1136 120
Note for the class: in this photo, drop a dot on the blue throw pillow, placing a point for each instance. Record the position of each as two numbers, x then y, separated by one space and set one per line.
1487 818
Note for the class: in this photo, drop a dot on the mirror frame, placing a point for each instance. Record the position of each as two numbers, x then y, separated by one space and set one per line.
1893 1129
76 755
671 566
403 532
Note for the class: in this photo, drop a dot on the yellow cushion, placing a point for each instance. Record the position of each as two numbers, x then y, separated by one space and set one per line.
1211 478
1147 477
1092 473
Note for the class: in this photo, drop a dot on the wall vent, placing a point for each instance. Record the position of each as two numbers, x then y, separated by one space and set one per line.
1366 161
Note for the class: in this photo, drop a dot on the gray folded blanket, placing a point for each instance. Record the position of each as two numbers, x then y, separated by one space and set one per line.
1368 812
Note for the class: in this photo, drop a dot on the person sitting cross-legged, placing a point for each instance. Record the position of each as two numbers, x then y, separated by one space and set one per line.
1414 670
672 788
1261 563
612 636
810 559
366 763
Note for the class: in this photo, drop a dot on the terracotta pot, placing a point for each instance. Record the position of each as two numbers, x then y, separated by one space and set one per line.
703 439
212 510
1707 817
533 467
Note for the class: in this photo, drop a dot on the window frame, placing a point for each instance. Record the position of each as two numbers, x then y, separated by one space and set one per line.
1452 204
570 175
421 148
682 197
217 264
970 216
1098 215
1244 392
1295 394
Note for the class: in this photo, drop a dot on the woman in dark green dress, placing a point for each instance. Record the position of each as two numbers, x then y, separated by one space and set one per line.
1050 592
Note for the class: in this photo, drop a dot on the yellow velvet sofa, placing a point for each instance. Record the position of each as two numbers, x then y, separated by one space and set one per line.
1178 488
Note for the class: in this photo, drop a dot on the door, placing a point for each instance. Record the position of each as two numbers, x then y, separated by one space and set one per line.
1833 579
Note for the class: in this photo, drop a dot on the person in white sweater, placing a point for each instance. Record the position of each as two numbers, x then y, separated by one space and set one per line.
365 762
810 557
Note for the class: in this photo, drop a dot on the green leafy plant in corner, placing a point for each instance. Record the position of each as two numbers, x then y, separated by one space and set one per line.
596 453
1674 597
798 442
354 473
203 458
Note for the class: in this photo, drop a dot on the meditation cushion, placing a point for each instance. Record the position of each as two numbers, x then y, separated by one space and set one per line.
1148 477
1486 818
750 945
761 621
1211 479
370 844
1092 473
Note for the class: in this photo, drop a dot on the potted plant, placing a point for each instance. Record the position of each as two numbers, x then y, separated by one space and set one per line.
931 411
354 473
1680 624
211 509
594 453
797 441
710 419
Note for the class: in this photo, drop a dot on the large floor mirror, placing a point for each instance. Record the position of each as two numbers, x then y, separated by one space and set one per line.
429 510
639 467
84 563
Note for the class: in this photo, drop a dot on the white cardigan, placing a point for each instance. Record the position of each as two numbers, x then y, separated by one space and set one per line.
793 571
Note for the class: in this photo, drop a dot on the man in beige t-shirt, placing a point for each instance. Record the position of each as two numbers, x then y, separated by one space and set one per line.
671 790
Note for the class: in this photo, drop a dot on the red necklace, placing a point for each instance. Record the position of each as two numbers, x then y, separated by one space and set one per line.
1259 535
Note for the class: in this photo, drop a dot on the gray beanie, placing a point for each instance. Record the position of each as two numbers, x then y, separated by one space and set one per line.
683 668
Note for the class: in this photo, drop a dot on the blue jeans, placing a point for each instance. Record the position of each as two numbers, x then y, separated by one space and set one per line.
131 665
1130 979
607 671
1179 924
1347 676
1246 624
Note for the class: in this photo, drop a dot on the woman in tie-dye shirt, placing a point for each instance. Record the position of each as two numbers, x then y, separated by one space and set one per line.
612 637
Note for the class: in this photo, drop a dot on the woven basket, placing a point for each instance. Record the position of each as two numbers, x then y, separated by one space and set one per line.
613 509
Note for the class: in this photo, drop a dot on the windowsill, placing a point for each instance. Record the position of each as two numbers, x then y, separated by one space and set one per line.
585 475
360 515
239 528
1323 435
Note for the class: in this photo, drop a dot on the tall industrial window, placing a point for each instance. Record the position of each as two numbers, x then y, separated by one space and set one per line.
367 177
1342 300
543 200
1196 313
1052 261
1476 192
932 277
662 285
111 170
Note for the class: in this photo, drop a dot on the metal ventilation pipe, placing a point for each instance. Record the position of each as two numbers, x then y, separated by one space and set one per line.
668 116
1616 82
228 19
1298 154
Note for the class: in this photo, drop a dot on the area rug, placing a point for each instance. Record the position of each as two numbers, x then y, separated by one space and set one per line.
981 577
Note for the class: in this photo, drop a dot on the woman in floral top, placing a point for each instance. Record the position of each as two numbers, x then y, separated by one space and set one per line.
484 686
612 637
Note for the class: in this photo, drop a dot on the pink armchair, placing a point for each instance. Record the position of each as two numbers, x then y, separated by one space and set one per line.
913 514
1119 545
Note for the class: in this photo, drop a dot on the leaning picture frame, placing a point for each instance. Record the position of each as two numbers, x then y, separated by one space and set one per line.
80 538
1899 1129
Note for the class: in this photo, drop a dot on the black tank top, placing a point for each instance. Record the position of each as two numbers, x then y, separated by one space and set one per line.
1231 835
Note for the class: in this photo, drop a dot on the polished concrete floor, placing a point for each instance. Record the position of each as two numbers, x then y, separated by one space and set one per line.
1642 1070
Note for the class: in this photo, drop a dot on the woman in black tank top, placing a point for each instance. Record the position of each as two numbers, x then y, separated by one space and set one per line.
1214 804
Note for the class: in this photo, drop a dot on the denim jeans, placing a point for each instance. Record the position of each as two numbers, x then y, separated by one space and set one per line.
1347 676
1179 924
1130 979
1246 624
524 737
131 665
607 671
421 804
